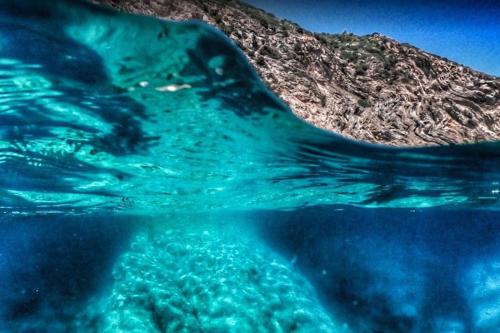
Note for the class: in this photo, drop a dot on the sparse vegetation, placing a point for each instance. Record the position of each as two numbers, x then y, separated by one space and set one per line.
226 29
349 56
266 19
269 51
364 103
361 68
322 99
261 61
425 65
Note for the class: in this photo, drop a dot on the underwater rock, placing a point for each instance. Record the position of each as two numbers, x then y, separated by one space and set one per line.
483 282
198 282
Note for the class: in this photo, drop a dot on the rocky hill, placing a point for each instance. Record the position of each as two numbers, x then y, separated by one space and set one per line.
369 88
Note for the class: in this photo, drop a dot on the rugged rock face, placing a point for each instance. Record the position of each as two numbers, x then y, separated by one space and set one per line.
369 88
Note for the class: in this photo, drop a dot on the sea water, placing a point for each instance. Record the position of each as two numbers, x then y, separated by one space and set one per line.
150 182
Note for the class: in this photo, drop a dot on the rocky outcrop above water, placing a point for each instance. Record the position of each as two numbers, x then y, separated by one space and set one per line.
369 88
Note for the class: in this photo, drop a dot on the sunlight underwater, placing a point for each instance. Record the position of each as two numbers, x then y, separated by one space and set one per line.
151 183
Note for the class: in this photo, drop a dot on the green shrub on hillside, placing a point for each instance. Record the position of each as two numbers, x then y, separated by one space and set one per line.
364 103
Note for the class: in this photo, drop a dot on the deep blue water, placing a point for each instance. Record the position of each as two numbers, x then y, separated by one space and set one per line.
56 263
397 270
152 183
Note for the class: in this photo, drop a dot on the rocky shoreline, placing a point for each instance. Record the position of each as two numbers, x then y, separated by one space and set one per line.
369 88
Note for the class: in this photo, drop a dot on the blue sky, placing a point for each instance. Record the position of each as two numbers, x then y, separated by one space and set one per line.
465 31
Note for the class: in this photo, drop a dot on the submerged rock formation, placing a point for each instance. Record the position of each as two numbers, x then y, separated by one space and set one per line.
180 281
369 88
187 281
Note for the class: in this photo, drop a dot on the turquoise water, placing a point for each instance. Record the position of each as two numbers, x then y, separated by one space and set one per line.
151 183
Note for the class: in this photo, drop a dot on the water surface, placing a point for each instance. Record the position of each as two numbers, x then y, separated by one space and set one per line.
152 183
